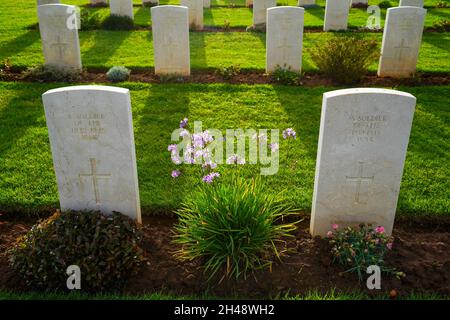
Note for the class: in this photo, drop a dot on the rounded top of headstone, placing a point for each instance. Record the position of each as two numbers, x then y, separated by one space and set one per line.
406 10
169 8
106 89
56 7
357 91
286 9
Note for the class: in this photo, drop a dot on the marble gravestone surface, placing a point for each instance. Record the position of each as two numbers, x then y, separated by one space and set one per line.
402 39
98 2
42 2
170 29
92 143
411 3
284 38
121 8
206 3
59 35
195 8
363 139
260 12
364 2
306 3
150 2
336 15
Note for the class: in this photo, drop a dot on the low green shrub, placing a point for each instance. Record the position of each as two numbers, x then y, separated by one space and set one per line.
228 72
48 73
172 78
442 4
89 20
345 59
233 227
106 248
118 74
116 22
359 248
385 4
441 25
285 75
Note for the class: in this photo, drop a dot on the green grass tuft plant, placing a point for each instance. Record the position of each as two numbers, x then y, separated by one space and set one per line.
118 74
235 227
49 73
285 75
116 22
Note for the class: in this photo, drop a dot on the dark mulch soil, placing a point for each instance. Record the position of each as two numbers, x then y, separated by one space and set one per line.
251 77
421 250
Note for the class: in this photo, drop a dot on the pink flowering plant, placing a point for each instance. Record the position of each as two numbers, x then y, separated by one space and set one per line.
358 248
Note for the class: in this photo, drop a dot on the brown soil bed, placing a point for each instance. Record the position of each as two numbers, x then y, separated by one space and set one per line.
252 77
421 250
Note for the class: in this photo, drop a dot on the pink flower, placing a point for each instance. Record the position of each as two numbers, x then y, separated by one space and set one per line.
379 229
335 226
389 245
176 173
329 234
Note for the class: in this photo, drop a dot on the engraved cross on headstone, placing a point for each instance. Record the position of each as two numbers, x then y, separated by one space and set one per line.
401 47
359 180
61 46
95 176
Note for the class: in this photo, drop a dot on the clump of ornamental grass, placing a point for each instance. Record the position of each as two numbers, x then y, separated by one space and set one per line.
236 227
345 59
361 247
118 74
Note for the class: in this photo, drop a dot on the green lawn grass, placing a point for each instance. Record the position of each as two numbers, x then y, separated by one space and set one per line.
104 49
27 180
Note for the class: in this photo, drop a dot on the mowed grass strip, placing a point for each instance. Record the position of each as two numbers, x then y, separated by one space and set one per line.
27 179
104 49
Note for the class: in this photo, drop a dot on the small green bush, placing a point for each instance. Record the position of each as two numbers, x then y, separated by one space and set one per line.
48 73
441 25
118 74
116 22
89 20
345 59
5 67
441 4
232 226
228 72
172 78
359 248
106 248
285 75
385 4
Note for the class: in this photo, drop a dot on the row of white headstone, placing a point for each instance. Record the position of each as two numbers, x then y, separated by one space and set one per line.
362 146
284 39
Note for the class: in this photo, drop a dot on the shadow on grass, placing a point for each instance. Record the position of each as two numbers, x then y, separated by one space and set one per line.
105 44
19 44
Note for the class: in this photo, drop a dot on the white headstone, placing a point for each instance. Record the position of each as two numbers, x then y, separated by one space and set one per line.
360 2
402 38
98 2
411 3
42 2
284 38
195 8
206 3
336 15
363 139
260 12
92 143
170 29
306 3
59 34
150 2
121 8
